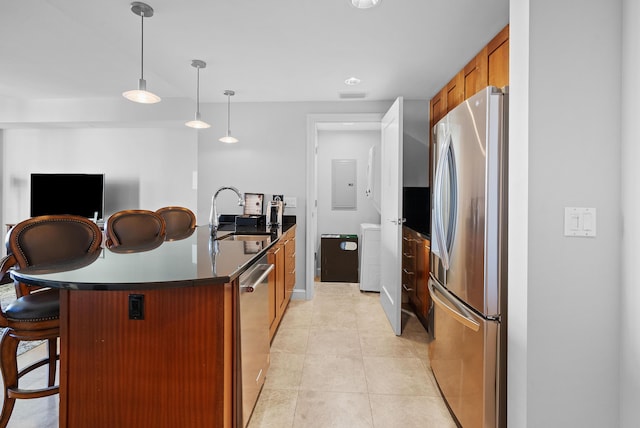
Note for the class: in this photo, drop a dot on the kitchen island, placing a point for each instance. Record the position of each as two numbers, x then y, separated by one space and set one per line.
151 338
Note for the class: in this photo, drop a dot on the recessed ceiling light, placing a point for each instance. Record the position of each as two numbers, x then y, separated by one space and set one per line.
364 4
352 81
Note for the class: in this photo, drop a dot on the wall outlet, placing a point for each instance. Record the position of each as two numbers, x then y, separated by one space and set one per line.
290 201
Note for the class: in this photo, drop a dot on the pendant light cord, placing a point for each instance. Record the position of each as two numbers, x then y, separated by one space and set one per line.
198 92
142 45
228 114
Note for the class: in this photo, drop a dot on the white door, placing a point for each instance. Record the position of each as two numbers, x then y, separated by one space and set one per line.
391 216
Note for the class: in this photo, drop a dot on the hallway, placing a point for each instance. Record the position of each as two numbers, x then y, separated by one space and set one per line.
336 363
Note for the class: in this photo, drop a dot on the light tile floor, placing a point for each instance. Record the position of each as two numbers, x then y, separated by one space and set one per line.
334 363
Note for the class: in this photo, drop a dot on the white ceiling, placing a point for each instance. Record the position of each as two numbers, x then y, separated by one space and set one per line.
278 50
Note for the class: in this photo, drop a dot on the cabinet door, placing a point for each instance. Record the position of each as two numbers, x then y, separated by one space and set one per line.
455 91
475 74
290 267
276 287
408 263
272 258
422 299
281 294
498 59
438 106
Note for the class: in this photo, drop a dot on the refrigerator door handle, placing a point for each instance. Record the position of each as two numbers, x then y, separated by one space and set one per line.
438 225
454 309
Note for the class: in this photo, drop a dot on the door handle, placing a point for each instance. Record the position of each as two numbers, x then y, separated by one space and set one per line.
458 313
406 288
438 225
252 282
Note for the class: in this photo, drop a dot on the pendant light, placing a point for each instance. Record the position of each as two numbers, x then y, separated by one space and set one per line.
141 95
228 138
364 4
197 123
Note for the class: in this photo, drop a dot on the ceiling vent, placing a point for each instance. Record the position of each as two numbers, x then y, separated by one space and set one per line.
352 95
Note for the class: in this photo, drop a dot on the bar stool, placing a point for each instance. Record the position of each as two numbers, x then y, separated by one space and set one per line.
180 222
134 230
46 241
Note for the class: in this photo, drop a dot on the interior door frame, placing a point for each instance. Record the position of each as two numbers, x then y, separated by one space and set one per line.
314 121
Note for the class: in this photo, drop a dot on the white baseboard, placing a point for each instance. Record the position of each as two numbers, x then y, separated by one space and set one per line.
299 294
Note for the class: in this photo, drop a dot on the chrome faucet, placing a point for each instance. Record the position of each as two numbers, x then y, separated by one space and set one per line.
214 221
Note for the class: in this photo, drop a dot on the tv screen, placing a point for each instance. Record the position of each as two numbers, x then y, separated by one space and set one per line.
77 194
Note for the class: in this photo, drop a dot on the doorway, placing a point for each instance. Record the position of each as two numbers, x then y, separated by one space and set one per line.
319 126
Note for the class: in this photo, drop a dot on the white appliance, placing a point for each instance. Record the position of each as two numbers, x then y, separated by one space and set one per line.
372 191
369 257
468 277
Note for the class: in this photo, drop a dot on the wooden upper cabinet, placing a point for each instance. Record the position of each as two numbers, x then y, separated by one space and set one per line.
475 74
498 59
490 67
438 107
455 91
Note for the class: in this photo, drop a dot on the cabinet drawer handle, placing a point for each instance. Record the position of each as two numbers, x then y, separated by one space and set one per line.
409 256
406 288
407 272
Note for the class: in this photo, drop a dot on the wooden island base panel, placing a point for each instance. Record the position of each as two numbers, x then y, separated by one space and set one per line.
169 369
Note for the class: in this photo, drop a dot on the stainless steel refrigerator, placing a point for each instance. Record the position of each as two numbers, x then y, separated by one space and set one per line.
468 277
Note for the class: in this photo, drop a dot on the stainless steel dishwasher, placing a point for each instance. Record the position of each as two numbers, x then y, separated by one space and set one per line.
254 333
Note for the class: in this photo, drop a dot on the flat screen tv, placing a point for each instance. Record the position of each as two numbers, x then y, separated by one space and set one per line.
77 194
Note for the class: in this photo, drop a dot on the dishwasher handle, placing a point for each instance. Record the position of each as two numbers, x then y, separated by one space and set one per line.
248 284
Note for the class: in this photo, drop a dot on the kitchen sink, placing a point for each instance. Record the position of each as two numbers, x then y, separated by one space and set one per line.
247 237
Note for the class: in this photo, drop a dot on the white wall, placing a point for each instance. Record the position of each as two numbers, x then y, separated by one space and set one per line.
144 168
344 145
563 312
415 151
630 295
518 245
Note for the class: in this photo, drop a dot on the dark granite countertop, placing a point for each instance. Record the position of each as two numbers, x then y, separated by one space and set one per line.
199 259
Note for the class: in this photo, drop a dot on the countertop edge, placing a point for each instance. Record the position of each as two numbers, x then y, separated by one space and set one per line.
29 276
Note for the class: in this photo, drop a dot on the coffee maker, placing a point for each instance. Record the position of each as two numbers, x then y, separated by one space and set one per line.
276 207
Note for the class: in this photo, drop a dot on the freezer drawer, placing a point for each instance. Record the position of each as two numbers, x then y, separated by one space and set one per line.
465 357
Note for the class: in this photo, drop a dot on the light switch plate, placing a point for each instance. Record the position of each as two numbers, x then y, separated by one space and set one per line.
579 221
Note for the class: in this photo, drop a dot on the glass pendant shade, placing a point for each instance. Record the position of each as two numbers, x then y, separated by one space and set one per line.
228 138
197 123
141 95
